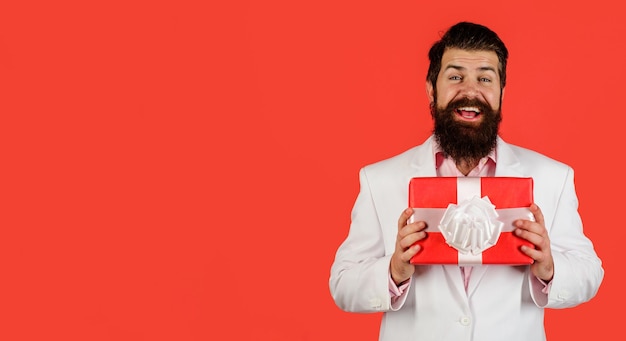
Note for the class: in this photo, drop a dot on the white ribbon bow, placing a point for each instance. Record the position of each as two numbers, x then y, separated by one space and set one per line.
472 226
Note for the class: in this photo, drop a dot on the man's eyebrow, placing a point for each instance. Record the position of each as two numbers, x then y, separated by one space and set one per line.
456 67
461 68
487 68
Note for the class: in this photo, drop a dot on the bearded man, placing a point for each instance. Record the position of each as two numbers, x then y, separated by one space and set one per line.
372 271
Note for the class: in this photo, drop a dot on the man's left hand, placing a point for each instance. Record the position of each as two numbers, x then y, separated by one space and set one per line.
535 232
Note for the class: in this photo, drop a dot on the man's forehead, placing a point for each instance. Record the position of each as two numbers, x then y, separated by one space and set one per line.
455 57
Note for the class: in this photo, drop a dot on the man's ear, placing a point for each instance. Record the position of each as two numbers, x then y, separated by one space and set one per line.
430 92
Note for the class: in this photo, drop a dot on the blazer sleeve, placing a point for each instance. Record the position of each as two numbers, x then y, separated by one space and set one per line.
578 270
360 272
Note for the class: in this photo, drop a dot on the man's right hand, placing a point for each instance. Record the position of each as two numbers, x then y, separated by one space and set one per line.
400 267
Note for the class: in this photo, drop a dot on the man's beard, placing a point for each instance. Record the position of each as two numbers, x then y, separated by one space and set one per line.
466 141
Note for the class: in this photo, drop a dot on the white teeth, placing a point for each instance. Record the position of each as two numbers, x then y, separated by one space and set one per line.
474 109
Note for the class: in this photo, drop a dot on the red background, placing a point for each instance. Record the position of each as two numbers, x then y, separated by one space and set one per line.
185 170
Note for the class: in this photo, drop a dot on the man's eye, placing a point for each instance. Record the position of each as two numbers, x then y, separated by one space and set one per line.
486 80
455 78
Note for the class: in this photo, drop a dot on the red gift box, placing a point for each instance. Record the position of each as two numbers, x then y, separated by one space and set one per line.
430 197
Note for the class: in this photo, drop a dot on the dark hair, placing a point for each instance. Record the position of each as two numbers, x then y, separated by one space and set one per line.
467 36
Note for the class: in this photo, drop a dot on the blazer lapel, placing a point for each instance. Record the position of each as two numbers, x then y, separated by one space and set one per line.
422 162
507 163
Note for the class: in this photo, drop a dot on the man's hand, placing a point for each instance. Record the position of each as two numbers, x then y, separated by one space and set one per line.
535 232
400 267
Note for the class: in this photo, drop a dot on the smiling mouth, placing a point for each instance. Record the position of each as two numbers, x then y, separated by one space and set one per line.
468 113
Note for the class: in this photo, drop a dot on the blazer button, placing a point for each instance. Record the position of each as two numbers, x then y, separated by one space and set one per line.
465 321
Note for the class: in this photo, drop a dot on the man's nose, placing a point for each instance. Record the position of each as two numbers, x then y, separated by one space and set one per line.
470 89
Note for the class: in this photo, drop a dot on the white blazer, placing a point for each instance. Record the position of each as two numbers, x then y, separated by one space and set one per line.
502 302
